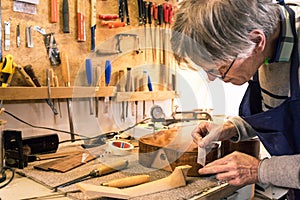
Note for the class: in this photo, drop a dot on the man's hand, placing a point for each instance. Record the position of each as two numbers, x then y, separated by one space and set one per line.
236 168
206 132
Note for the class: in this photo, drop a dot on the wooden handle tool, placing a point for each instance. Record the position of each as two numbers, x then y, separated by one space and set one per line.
65 68
128 181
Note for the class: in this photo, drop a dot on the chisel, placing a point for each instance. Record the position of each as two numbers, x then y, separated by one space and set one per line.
93 25
107 80
122 83
100 171
18 36
66 77
98 84
129 86
89 76
65 10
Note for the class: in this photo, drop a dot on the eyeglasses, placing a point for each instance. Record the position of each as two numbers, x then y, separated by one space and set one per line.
216 73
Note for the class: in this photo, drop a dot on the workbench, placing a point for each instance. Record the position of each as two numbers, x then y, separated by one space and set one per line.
42 181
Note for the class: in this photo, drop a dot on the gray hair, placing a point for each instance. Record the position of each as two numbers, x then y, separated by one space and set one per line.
219 29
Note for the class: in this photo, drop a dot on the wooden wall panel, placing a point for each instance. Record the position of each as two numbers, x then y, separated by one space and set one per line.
67 42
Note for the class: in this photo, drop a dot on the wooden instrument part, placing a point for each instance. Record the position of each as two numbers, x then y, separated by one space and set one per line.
178 150
175 180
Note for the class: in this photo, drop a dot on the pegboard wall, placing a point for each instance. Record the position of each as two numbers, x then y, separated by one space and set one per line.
67 42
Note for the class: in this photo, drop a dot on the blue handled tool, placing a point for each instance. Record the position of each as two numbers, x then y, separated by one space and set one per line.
89 76
150 84
107 80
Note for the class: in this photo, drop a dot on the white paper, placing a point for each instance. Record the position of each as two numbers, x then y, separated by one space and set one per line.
201 159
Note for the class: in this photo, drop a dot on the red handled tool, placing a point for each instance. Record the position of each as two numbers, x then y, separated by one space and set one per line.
81 21
108 16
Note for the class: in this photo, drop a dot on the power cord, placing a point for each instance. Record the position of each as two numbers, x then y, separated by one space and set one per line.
3 178
108 134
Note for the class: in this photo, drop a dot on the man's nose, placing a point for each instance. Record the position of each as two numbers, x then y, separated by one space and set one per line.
210 77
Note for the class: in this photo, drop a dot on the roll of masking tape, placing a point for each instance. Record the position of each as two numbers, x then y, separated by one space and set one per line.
120 148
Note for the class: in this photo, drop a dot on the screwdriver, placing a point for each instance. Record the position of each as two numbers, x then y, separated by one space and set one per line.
107 80
102 170
89 76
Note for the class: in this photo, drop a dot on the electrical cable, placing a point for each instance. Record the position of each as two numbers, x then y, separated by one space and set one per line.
4 177
79 135
41 127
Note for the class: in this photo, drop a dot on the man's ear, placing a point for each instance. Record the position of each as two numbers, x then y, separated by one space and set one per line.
258 37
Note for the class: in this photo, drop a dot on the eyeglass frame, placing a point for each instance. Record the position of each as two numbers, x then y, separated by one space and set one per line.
212 73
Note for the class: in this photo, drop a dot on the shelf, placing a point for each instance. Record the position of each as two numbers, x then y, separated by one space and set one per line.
145 96
29 93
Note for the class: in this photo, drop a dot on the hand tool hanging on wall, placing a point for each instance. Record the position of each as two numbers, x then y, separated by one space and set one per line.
108 16
66 77
128 87
6 35
26 77
29 70
65 12
51 46
29 39
56 84
149 20
140 11
52 50
81 21
144 86
103 169
98 84
49 100
108 69
18 36
93 25
7 69
144 16
122 82
123 11
89 76
54 11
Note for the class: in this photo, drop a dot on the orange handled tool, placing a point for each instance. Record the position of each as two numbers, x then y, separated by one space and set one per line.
116 24
108 16
54 11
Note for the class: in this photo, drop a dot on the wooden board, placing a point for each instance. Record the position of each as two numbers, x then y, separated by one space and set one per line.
67 163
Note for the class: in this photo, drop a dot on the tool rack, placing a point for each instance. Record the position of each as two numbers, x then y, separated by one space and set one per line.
29 93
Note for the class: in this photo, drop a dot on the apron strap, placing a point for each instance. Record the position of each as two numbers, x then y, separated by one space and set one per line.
294 74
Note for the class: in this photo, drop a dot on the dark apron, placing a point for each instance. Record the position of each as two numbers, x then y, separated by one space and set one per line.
279 128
